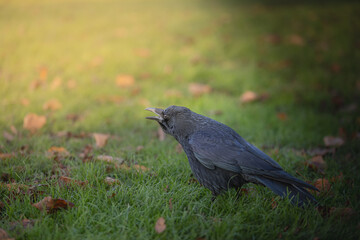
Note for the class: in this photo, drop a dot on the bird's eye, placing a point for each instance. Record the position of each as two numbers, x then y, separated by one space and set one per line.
166 117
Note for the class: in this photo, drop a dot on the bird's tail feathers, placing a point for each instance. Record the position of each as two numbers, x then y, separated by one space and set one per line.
297 194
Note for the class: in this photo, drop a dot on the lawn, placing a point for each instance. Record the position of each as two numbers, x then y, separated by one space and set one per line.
92 67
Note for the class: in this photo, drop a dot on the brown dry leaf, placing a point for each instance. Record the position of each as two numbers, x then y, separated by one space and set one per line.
25 102
125 80
8 136
25 223
57 152
331 141
71 84
248 96
34 122
6 155
52 105
337 178
139 148
110 159
282 116
142 52
198 89
43 73
323 185
316 163
320 151
173 93
50 204
344 213
140 168
335 68
144 102
56 83
13 129
101 139
160 225
97 61
272 38
4 235
68 180
170 204
274 203
178 148
295 39
111 181
160 134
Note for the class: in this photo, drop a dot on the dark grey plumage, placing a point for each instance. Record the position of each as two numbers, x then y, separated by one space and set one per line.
221 159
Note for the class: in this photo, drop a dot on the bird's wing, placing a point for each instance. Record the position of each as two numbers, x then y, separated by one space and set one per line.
217 149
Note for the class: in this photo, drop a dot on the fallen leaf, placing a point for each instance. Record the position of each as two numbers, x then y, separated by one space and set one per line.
140 168
13 129
85 155
160 225
316 163
101 139
178 148
73 117
198 89
173 93
68 180
295 39
110 159
335 68
144 102
274 203
139 148
56 83
97 61
33 122
25 102
43 73
57 152
337 178
248 96
8 136
51 205
331 141
111 181
4 235
125 80
25 223
52 105
143 52
215 112
344 213
6 155
282 116
170 204
160 134
272 38
71 84
320 151
323 185
36 84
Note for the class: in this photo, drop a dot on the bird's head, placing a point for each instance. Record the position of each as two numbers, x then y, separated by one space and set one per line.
174 120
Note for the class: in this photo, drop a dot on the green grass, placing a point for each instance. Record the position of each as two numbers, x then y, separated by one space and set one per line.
231 46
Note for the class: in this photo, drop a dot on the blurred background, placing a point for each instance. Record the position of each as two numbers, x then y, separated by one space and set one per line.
275 71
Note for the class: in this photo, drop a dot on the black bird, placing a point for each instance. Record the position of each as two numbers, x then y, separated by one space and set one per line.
221 159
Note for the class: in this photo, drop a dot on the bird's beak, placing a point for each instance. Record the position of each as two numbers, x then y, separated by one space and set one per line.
158 111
